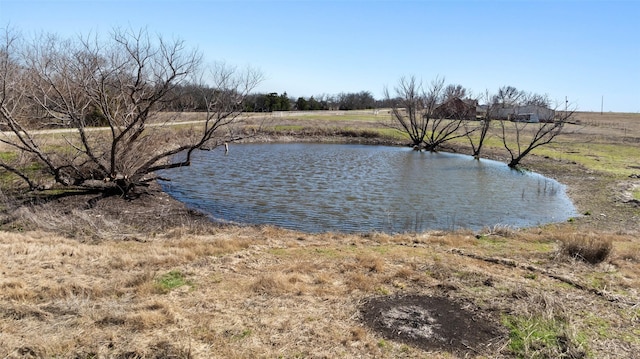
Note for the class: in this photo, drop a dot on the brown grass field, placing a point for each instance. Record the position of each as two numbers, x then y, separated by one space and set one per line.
150 279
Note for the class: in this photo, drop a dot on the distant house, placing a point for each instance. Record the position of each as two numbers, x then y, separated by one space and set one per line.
457 109
526 117
481 111
527 113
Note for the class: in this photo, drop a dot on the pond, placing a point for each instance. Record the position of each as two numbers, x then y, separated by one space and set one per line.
363 188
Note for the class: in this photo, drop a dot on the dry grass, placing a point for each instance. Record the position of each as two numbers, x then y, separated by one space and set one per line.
588 248
266 292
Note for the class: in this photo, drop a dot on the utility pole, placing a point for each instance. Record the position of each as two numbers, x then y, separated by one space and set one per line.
602 105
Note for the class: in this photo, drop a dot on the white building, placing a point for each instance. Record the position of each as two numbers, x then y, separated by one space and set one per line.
528 113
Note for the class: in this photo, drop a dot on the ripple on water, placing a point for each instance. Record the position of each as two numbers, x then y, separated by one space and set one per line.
359 188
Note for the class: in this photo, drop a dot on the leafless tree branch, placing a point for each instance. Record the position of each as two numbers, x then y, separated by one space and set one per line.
123 83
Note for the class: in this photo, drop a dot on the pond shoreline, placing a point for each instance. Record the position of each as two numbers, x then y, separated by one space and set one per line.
600 199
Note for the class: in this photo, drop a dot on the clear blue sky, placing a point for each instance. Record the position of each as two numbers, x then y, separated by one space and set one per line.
585 50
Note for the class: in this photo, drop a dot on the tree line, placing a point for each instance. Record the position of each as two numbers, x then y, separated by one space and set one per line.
188 97
268 102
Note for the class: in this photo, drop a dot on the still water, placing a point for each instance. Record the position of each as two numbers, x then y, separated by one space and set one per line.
360 188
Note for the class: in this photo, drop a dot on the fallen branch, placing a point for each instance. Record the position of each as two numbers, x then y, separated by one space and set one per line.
531 268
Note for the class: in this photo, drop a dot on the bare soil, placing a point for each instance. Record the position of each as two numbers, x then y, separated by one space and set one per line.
434 323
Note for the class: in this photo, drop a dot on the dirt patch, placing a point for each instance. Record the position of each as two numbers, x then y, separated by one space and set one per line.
626 191
432 323
91 217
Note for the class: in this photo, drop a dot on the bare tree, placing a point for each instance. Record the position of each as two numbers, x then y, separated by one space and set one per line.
537 100
123 83
454 91
408 109
520 138
508 96
444 128
478 132
415 112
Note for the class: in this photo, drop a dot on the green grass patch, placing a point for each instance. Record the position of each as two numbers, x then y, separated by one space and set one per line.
497 245
8 156
242 335
607 158
280 252
170 281
33 170
533 247
34 167
542 247
392 133
539 337
310 130
327 252
492 241
636 194
612 158
361 117
380 249
598 325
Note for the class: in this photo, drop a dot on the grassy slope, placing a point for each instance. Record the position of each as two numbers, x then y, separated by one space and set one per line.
267 292
249 292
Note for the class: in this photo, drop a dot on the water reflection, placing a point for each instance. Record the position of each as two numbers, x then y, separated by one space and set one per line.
358 188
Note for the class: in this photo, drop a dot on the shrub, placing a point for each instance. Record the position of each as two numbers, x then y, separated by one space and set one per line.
588 249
